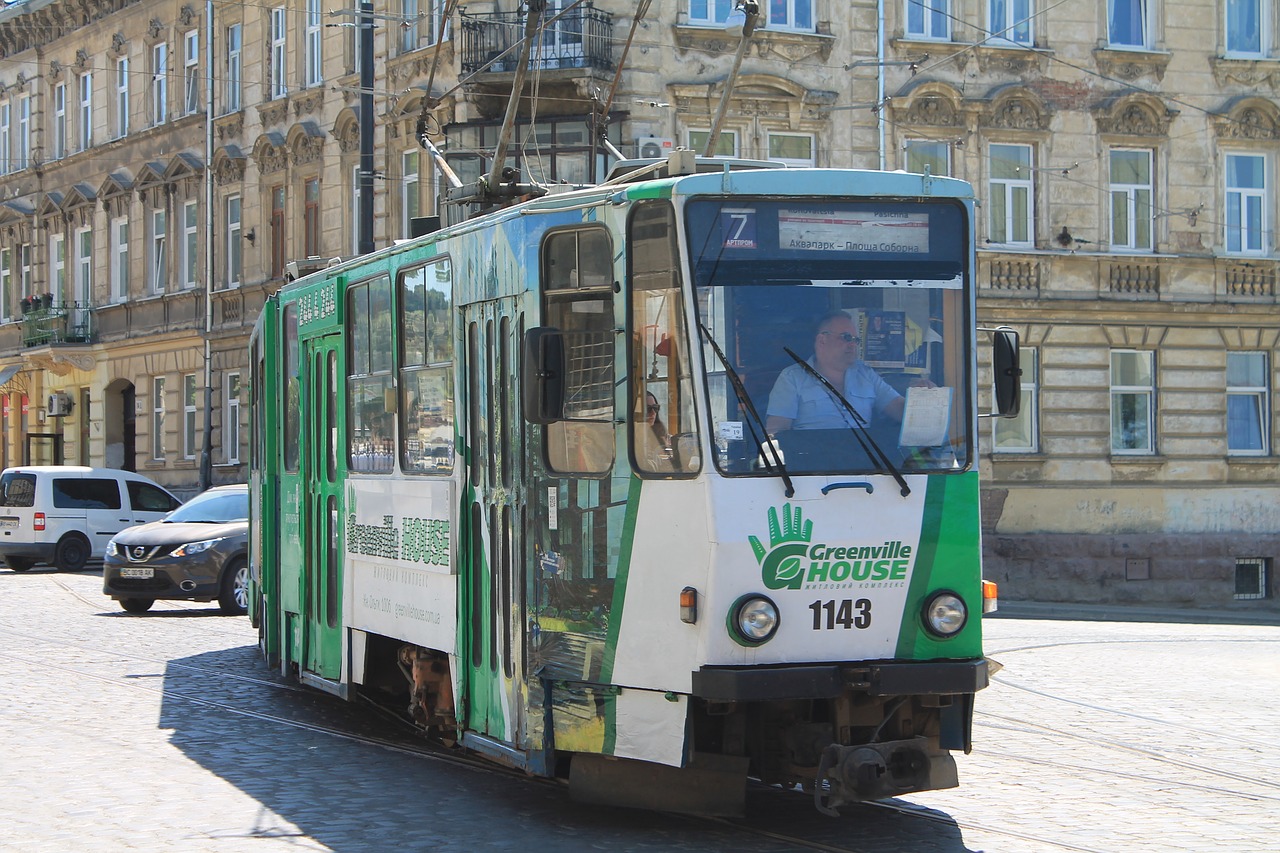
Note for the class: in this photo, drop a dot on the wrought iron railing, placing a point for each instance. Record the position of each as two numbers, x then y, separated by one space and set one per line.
45 323
578 39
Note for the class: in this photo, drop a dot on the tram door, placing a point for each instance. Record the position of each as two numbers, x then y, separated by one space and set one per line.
493 523
321 524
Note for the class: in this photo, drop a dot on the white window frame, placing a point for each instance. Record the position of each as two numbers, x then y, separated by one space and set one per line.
1127 203
279 53
710 13
59 147
928 151
1011 22
158 257
122 97
119 259
6 151
58 267
23 152
231 418
697 141
314 59
84 267
1143 9
7 300
159 83
410 190
157 418
24 269
1008 190
796 16
235 67
804 162
1259 27
927 20
189 444
410 35
85 93
1256 396
1120 390
235 251
190 244
191 72
1021 434
1248 208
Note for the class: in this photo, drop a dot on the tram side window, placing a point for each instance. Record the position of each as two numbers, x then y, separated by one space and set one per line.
293 389
370 385
426 369
577 277
664 430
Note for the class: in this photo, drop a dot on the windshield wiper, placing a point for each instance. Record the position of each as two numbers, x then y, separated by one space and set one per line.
859 428
767 447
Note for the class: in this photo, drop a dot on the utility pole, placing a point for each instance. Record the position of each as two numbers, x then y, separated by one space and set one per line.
365 22
751 12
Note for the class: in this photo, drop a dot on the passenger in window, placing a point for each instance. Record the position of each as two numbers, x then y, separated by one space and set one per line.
800 401
653 443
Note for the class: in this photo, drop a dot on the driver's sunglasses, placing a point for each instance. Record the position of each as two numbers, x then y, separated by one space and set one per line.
847 337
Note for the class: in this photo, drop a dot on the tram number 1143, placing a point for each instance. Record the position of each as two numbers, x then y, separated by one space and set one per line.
827 615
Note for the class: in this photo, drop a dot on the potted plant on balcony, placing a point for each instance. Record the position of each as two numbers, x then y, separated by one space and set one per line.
46 301
27 304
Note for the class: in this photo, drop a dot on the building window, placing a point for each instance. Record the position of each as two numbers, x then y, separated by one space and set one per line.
1133 395
58 267
410 38
190 244
1247 35
234 67
1010 21
278 28
1021 434
314 57
6 285
1246 177
59 141
235 256
1251 577
709 11
791 15
1129 23
159 83
1011 199
1131 197
24 269
189 416
84 268
191 72
122 97
928 19
85 83
157 418
794 149
410 192
920 155
311 217
6 153
159 251
119 259
277 232
24 132
726 143
1248 404
231 420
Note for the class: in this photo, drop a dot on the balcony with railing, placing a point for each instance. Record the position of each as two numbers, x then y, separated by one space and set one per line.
578 39
44 323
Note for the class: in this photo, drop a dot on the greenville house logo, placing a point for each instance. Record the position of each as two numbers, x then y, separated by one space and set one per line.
793 560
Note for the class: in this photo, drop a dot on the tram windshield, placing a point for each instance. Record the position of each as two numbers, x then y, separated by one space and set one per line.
834 334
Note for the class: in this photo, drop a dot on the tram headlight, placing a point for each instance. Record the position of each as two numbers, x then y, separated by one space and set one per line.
753 619
945 614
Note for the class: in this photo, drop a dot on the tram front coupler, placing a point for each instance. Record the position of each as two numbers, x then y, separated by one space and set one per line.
874 771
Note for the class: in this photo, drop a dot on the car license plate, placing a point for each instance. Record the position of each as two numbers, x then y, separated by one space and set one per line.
143 574
8 522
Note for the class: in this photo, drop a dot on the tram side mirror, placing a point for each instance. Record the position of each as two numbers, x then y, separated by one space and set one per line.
543 376
1008 372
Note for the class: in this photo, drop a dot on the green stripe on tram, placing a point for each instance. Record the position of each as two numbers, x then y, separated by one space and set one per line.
625 549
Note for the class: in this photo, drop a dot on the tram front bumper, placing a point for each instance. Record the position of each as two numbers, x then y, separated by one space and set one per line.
825 681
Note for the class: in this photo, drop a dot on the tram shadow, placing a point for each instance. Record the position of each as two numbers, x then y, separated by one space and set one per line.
304 765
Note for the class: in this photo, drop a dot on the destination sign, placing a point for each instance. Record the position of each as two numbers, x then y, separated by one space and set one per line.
818 229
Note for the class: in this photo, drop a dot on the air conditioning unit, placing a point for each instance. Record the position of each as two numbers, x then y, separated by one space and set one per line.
59 405
654 146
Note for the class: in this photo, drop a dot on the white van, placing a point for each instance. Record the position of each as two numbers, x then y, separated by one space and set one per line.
65 515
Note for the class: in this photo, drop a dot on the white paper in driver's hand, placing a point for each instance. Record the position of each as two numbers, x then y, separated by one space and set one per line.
925 417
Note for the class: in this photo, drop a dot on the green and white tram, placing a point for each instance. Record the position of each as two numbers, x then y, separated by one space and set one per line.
549 480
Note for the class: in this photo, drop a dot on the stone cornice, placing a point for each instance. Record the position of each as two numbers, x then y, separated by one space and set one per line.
766 44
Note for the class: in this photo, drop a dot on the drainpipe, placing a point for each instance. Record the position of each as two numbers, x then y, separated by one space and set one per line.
880 79
206 457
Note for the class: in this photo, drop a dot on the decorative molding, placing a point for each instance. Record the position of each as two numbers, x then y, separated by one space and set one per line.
1130 65
187 16
1134 279
1016 112
228 169
60 362
119 45
269 158
930 109
1136 115
1011 60
82 59
273 112
155 28
1255 120
55 71
766 44
1015 276
229 126
1251 73
1251 279
308 101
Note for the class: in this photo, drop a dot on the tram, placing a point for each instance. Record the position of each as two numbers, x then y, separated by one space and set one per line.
546 482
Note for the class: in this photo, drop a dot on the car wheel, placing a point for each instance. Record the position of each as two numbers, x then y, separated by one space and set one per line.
137 605
233 596
19 564
72 553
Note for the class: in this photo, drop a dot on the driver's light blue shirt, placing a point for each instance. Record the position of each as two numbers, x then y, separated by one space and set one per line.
799 396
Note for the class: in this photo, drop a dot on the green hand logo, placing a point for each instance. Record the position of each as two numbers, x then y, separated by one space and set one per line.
781 564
